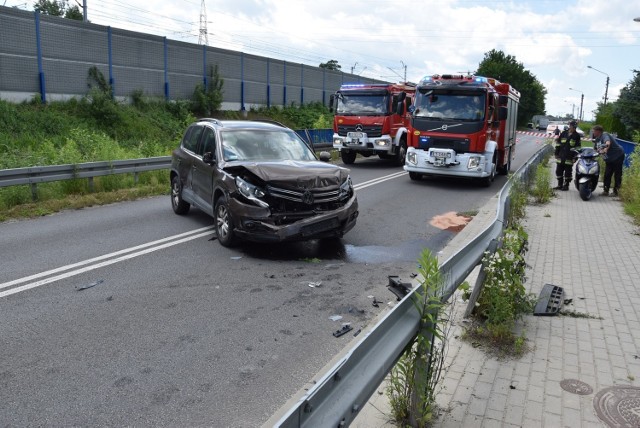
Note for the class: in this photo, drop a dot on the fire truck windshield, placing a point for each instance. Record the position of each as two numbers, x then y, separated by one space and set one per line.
460 106
362 104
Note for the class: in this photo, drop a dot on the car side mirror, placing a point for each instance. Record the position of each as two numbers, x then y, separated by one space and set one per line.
325 156
208 158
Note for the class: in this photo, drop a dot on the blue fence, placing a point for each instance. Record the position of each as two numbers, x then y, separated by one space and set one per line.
318 138
629 148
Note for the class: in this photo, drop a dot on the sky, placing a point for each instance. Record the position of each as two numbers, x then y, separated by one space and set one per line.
556 40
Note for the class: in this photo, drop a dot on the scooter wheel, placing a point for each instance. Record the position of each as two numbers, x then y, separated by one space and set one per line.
585 191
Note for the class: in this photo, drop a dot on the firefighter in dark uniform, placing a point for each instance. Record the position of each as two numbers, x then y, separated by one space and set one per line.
568 140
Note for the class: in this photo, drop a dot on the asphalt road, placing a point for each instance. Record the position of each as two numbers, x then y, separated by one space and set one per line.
130 315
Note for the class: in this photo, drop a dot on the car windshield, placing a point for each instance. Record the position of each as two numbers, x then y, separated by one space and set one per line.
362 104
450 106
263 145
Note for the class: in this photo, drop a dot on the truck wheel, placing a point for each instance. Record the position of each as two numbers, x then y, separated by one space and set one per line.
348 156
401 154
504 169
415 176
488 180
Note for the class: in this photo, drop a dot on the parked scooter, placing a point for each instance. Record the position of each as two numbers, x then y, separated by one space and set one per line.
587 172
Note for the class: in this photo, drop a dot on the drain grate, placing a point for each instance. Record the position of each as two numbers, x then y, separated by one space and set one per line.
576 386
619 406
550 300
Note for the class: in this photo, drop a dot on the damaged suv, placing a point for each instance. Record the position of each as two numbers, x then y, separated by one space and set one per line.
260 182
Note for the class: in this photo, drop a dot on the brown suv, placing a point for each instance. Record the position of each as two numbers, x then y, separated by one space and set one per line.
260 182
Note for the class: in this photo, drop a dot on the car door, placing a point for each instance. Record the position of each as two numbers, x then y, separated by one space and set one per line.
184 157
203 172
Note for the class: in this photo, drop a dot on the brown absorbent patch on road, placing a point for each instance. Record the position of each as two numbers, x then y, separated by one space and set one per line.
450 221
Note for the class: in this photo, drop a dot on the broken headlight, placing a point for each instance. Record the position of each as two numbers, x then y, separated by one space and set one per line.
251 192
346 188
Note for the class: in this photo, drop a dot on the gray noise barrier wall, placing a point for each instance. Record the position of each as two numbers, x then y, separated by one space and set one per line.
50 57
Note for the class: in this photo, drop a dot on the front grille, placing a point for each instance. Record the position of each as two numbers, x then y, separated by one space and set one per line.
291 205
457 144
319 196
370 130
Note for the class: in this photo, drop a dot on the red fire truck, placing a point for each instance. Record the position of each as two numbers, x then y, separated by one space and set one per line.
462 126
372 119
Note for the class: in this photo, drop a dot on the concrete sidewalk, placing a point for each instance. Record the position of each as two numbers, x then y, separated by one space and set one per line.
590 249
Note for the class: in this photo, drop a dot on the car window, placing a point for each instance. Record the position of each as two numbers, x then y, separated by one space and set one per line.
208 142
260 145
190 140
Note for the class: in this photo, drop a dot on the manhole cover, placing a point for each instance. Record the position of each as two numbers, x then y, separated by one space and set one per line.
618 406
575 386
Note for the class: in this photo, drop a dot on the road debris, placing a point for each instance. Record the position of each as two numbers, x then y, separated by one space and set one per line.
93 284
344 330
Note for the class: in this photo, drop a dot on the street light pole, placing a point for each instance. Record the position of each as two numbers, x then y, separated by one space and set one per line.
581 102
606 88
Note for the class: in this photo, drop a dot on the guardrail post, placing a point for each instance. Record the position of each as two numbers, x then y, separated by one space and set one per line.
34 192
135 178
477 288
91 188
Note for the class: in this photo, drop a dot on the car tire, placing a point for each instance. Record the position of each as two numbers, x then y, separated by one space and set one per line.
415 176
224 223
348 156
177 203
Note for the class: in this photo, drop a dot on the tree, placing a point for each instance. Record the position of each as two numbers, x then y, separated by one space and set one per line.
58 8
506 69
332 64
207 99
74 13
606 118
627 107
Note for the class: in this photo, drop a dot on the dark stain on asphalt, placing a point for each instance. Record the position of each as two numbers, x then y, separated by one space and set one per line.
336 249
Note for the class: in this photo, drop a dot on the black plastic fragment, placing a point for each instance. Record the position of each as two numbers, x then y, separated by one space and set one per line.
397 287
550 300
93 284
344 330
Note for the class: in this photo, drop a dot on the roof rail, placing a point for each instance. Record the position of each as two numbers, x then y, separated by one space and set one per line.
210 119
274 122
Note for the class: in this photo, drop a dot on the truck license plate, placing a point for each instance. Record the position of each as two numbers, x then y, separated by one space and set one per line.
355 135
440 155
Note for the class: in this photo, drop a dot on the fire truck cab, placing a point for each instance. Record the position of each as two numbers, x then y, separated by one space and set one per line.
372 119
462 126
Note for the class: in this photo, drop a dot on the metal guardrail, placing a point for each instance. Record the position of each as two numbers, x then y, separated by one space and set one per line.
43 174
339 395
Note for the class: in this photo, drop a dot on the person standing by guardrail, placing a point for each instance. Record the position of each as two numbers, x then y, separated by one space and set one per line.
613 155
568 140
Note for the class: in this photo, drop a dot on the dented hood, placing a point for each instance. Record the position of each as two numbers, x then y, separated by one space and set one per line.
299 174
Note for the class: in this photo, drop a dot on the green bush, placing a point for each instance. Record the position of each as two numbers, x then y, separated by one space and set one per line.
541 189
504 298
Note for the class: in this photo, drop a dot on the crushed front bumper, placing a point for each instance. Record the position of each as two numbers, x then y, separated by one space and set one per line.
256 224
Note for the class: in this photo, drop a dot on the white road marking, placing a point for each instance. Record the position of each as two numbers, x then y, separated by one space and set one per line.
148 248
379 180
74 269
